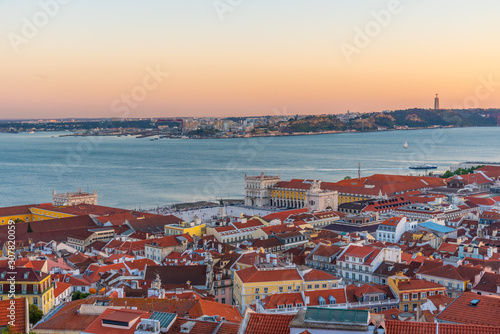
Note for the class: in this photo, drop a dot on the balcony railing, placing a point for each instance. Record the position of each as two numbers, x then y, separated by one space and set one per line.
368 304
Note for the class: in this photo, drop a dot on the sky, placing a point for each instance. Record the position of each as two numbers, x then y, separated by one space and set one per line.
151 58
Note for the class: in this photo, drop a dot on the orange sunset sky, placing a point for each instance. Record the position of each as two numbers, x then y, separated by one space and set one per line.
247 58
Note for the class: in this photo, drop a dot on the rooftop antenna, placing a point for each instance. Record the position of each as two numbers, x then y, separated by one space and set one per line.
359 171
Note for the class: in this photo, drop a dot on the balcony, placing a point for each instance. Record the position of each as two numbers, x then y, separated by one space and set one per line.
30 293
293 310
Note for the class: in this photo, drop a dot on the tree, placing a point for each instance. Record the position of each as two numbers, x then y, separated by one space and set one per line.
30 230
347 177
10 330
79 295
35 314
447 174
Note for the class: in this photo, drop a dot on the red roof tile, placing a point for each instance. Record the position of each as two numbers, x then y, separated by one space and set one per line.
318 275
19 315
125 315
283 215
461 311
210 308
406 327
253 274
269 324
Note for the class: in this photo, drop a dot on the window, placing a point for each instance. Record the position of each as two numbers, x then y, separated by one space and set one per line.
406 296
289 288
309 286
281 289
223 300
265 290
24 288
316 286
414 307
414 296
405 308
35 300
432 293
35 288
423 295
257 290
325 286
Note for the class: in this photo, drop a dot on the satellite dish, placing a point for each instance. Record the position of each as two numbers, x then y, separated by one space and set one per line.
92 291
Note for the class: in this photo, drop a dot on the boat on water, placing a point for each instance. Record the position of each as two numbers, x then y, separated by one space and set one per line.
423 166
405 144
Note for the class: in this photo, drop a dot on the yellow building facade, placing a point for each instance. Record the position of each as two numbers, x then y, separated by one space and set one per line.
252 284
26 283
26 213
185 228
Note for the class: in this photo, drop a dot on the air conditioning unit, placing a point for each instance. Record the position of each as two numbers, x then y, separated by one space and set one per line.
186 327
148 326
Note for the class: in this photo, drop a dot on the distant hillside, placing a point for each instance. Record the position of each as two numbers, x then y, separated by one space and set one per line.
411 118
319 123
427 118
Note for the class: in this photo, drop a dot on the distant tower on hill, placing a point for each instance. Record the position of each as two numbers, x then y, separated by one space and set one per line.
436 103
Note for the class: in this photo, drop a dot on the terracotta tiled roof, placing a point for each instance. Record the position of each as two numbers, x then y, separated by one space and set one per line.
25 274
326 250
448 248
283 215
489 282
169 240
210 308
19 316
51 229
429 265
318 275
418 284
253 274
272 302
339 295
267 243
485 312
461 273
60 287
393 221
139 264
269 324
405 327
92 274
275 229
366 253
125 315
68 318
353 292
16 210
176 275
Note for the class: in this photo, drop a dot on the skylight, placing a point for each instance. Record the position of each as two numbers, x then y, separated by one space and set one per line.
474 302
